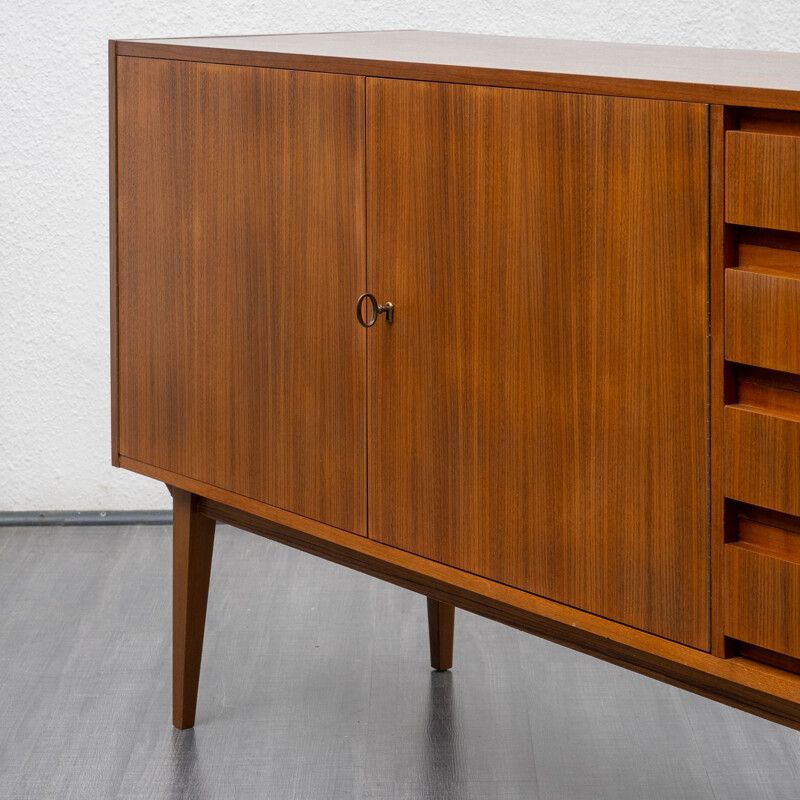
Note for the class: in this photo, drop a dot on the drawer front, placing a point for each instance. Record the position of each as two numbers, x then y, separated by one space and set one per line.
762 589
762 458
762 319
762 180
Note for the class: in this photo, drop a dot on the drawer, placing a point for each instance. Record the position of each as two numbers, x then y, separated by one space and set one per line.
762 318
762 457
762 588
762 180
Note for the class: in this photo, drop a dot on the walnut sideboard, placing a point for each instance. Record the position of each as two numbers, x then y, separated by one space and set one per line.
512 323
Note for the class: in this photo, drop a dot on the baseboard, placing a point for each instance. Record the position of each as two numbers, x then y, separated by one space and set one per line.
21 519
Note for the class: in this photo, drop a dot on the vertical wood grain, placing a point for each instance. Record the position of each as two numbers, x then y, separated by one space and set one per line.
722 383
762 316
538 408
193 546
241 255
763 590
762 454
112 239
441 621
762 179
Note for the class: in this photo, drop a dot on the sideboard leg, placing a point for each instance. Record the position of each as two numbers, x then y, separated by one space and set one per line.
441 617
193 544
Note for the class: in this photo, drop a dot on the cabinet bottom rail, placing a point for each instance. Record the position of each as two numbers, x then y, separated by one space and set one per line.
751 686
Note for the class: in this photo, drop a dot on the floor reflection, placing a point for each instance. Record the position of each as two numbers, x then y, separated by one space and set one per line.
442 755
186 773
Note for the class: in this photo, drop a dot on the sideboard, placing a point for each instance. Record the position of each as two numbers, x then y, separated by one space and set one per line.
511 323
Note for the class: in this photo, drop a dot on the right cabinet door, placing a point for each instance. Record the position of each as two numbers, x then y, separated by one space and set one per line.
537 409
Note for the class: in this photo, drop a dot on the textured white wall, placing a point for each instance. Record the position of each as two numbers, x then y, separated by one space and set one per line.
54 363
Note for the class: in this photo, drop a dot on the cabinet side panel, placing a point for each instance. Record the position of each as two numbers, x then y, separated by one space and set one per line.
538 409
112 239
241 254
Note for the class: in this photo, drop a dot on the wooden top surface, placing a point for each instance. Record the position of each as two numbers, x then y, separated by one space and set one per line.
690 73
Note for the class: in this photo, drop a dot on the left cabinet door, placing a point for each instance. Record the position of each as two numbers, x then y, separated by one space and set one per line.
240 254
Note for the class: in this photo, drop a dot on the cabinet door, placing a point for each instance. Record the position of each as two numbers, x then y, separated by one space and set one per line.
240 255
537 409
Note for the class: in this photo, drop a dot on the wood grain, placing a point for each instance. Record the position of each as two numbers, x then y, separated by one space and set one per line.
762 180
767 388
538 414
742 683
112 240
769 258
722 382
751 239
762 576
732 77
241 254
193 546
765 518
441 620
768 120
767 539
762 457
764 397
768 657
538 408
762 317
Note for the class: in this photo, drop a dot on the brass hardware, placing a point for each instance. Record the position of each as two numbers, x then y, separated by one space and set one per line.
377 309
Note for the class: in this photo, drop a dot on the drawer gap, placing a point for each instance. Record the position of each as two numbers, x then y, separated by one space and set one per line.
746 374
768 252
764 656
768 390
766 261
743 511
749 238
769 540
765 120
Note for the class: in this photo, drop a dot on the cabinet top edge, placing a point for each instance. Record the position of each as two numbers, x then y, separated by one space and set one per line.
740 77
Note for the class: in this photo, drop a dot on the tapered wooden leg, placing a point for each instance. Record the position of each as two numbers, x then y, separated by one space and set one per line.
192 547
441 617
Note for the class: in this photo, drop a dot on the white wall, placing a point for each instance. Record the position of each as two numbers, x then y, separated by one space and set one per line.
54 352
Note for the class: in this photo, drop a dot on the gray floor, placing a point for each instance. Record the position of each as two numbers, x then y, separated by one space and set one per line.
316 685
